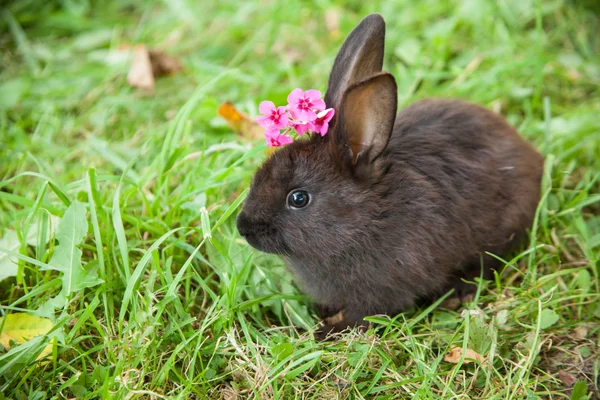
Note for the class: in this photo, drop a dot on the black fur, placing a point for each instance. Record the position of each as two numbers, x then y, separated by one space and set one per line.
454 181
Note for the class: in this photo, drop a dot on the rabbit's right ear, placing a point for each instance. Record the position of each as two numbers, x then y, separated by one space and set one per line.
360 57
366 120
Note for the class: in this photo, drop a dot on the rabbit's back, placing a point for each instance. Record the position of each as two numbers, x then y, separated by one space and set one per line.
479 172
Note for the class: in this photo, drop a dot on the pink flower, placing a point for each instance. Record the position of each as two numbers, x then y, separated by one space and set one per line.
274 118
274 138
300 126
321 124
302 104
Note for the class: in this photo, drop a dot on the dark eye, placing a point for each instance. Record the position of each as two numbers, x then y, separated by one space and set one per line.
298 198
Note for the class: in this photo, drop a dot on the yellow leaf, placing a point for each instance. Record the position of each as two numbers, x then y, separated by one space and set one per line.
455 354
21 327
239 122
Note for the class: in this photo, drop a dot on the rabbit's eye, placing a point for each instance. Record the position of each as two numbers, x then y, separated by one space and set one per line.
298 198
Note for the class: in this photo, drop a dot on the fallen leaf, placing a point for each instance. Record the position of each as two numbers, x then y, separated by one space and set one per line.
581 332
241 123
455 354
20 327
140 73
163 64
335 319
567 379
148 64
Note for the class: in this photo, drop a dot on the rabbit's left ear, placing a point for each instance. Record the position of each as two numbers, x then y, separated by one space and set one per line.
360 57
367 116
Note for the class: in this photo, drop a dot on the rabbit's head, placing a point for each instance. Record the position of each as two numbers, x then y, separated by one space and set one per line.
316 196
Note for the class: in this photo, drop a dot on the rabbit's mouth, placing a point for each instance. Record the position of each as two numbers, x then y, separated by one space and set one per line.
266 245
261 235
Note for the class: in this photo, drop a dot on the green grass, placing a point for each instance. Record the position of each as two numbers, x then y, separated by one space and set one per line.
186 309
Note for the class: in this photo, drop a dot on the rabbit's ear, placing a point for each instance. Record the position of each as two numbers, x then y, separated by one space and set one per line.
361 56
367 116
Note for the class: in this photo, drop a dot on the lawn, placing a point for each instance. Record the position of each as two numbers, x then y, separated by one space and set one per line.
147 287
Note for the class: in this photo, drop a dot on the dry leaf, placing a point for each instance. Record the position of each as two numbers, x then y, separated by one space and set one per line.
147 65
163 64
567 379
241 123
455 354
20 327
581 332
335 319
140 73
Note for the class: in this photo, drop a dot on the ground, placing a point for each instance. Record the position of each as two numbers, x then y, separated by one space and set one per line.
172 303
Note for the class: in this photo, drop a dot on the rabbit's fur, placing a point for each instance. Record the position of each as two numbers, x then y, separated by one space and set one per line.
403 207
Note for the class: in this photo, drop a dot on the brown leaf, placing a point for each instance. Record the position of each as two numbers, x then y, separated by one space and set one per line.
147 65
239 122
455 354
567 379
335 319
163 64
140 73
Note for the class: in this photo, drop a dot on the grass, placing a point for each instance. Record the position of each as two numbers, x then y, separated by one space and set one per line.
186 309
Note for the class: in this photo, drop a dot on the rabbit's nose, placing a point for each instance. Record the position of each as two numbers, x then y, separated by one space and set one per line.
243 224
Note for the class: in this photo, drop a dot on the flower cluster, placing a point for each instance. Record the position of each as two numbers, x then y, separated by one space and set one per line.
305 112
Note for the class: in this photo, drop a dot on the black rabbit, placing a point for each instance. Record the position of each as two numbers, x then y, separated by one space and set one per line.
387 209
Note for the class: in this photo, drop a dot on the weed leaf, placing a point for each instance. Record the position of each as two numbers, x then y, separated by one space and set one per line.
67 256
548 318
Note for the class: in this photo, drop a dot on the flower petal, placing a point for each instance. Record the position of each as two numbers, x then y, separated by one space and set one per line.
266 107
283 139
295 96
295 114
277 139
318 104
313 95
326 115
282 122
303 128
307 115
272 131
324 129
265 122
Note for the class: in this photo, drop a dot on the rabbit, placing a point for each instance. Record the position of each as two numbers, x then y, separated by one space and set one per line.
388 209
